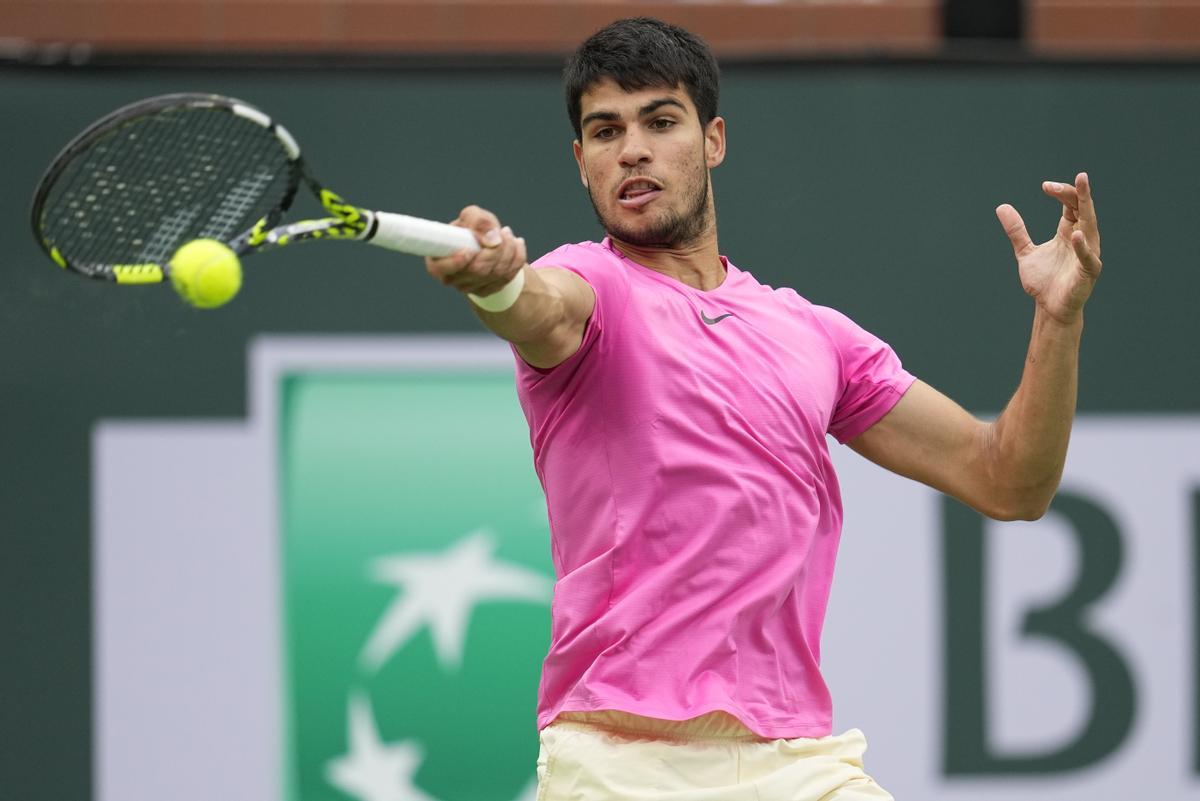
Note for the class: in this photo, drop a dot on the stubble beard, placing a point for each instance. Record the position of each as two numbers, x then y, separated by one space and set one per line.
670 229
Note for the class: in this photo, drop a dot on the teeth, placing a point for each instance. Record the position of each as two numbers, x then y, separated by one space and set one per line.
637 186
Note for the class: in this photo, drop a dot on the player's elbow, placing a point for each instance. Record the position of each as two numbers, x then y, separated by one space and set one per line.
1008 514
1026 503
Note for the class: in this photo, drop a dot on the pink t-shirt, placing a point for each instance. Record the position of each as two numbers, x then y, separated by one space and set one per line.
694 512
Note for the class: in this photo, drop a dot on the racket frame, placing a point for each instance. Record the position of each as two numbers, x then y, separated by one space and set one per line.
346 221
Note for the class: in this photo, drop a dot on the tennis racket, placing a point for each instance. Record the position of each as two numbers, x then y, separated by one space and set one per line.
126 193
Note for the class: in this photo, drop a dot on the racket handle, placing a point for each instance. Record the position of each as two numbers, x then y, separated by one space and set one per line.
419 237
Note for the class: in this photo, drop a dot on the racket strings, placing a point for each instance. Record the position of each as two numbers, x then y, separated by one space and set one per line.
258 185
145 187
233 213
124 161
196 174
165 218
84 198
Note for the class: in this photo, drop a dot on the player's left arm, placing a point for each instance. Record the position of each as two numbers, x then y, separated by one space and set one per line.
1009 468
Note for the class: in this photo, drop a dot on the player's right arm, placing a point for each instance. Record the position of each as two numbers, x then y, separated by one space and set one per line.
547 321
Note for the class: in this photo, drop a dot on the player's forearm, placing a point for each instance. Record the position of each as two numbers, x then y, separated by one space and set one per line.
535 315
1028 442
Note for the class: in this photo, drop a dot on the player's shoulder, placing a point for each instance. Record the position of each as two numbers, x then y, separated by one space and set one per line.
574 254
828 321
782 295
829 316
594 262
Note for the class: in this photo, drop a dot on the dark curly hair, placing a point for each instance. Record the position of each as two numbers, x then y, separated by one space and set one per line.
638 53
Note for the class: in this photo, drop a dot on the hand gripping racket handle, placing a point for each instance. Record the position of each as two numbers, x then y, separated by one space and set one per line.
427 238
419 237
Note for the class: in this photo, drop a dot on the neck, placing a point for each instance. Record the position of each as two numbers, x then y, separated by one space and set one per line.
697 263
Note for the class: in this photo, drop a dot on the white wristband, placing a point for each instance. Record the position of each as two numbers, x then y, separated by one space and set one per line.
505 298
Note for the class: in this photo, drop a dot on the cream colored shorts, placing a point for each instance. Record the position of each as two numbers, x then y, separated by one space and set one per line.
615 756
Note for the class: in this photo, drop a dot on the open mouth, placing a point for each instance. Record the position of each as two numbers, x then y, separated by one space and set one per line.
636 192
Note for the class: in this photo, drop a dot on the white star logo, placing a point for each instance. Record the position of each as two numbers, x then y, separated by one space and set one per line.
373 770
440 590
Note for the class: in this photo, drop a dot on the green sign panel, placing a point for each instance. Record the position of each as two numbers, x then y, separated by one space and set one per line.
417 586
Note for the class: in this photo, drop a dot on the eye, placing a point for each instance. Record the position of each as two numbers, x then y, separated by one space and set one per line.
604 133
662 123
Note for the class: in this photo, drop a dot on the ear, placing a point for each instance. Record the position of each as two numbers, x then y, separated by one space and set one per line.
578 150
714 142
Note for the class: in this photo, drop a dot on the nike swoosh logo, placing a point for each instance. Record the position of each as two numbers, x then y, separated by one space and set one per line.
714 320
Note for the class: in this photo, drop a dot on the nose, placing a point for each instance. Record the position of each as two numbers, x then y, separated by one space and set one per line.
634 148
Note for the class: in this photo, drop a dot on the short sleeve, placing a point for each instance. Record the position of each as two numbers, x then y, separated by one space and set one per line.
872 378
606 275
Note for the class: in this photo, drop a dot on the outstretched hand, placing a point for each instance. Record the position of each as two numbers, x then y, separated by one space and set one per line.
500 257
1059 274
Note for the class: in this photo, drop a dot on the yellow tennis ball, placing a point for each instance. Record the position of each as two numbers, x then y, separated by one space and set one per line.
206 273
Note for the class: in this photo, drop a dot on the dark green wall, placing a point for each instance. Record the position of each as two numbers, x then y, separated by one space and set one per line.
869 188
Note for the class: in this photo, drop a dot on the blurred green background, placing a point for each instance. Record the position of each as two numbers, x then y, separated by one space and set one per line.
867 187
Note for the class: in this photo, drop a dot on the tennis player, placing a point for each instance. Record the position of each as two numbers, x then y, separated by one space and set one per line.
678 411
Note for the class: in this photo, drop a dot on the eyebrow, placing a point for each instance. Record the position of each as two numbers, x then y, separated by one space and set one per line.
649 108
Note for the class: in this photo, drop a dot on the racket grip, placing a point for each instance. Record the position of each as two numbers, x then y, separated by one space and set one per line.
420 237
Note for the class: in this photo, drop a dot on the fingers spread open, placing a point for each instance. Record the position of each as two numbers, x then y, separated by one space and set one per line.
1014 226
1087 257
1065 194
1087 212
1083 189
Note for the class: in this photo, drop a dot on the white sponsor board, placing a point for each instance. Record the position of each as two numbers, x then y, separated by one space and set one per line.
188 676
